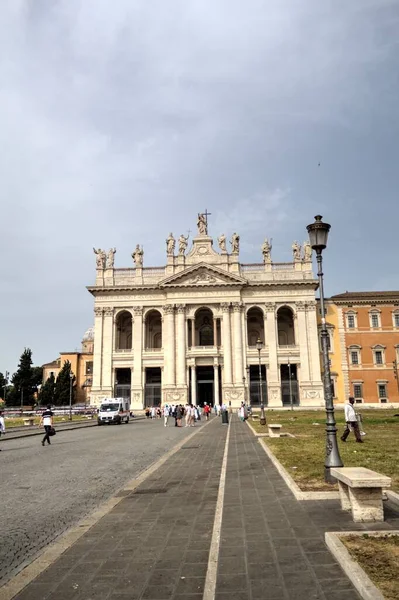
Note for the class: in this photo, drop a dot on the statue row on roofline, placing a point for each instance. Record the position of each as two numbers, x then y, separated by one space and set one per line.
105 260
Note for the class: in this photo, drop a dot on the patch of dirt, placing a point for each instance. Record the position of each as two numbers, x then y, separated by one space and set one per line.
379 557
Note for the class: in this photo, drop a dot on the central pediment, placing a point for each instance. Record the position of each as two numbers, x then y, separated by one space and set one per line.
201 275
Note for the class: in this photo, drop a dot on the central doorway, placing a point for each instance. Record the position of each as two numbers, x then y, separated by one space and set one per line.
205 385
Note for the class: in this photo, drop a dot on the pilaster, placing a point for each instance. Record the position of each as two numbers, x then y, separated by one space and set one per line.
238 353
137 379
226 334
108 344
169 350
273 375
97 353
181 386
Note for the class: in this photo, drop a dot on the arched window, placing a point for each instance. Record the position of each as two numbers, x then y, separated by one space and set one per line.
123 338
204 327
255 326
285 326
153 330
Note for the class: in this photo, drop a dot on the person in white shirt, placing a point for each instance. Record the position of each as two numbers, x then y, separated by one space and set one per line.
351 421
166 413
2 425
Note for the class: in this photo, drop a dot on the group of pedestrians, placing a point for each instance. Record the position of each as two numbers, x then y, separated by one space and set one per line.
190 412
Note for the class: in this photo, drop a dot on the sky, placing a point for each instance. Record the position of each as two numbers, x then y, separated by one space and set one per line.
120 121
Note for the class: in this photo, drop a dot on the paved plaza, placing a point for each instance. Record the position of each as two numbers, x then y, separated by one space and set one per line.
156 543
44 491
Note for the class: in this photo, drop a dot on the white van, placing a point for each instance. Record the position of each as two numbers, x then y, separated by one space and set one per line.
114 410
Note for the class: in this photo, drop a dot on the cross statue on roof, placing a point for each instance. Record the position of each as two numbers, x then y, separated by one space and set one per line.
202 222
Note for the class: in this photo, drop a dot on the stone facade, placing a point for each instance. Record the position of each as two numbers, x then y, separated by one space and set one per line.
187 331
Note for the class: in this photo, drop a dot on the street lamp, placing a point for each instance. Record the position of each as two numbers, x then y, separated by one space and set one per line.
318 234
71 376
262 420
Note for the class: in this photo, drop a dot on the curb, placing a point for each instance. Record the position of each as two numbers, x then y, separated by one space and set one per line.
293 486
352 569
48 555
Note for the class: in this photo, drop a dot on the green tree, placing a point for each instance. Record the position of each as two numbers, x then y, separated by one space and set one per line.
47 393
62 385
23 381
3 384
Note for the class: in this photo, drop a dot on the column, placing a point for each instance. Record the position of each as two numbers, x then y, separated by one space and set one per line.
302 341
137 345
181 345
108 346
226 336
98 346
272 373
216 384
193 385
238 368
169 345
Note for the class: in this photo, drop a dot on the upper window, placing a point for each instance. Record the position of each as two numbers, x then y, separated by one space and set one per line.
355 357
379 355
89 367
351 320
375 321
396 319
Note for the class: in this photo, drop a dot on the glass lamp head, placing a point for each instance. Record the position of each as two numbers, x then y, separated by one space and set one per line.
318 233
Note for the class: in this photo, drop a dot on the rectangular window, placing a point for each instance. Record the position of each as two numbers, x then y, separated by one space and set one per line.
396 319
351 321
357 391
89 368
375 321
378 357
354 357
382 391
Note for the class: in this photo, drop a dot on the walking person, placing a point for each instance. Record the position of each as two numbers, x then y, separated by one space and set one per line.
166 413
351 421
207 410
2 425
46 421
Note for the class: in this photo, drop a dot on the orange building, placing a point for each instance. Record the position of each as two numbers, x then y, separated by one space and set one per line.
368 334
81 367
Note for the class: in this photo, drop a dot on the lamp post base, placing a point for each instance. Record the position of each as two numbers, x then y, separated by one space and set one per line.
328 478
262 419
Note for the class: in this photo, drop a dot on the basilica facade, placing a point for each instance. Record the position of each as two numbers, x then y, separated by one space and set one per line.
205 327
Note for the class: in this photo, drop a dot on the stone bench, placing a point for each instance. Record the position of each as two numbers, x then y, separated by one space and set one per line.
360 491
254 417
274 429
29 421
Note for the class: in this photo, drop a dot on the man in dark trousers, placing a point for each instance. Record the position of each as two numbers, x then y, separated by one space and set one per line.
47 422
351 421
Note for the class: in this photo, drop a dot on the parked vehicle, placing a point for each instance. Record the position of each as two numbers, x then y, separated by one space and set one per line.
114 410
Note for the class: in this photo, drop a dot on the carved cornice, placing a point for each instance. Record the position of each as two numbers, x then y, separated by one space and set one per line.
225 306
181 309
98 311
137 311
300 306
169 309
108 311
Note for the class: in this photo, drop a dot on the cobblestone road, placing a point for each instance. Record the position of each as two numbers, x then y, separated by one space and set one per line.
46 490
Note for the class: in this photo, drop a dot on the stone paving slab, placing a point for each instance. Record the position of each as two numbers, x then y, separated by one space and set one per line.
155 543
272 546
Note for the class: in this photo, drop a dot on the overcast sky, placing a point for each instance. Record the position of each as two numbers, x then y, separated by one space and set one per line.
120 121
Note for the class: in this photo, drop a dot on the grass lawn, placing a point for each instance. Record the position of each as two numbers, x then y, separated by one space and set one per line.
303 456
379 557
19 421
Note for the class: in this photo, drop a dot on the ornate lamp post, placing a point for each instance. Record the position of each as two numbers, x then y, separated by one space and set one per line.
318 235
395 372
262 420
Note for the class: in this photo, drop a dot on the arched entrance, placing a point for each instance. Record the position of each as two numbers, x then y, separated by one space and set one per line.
285 326
123 338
